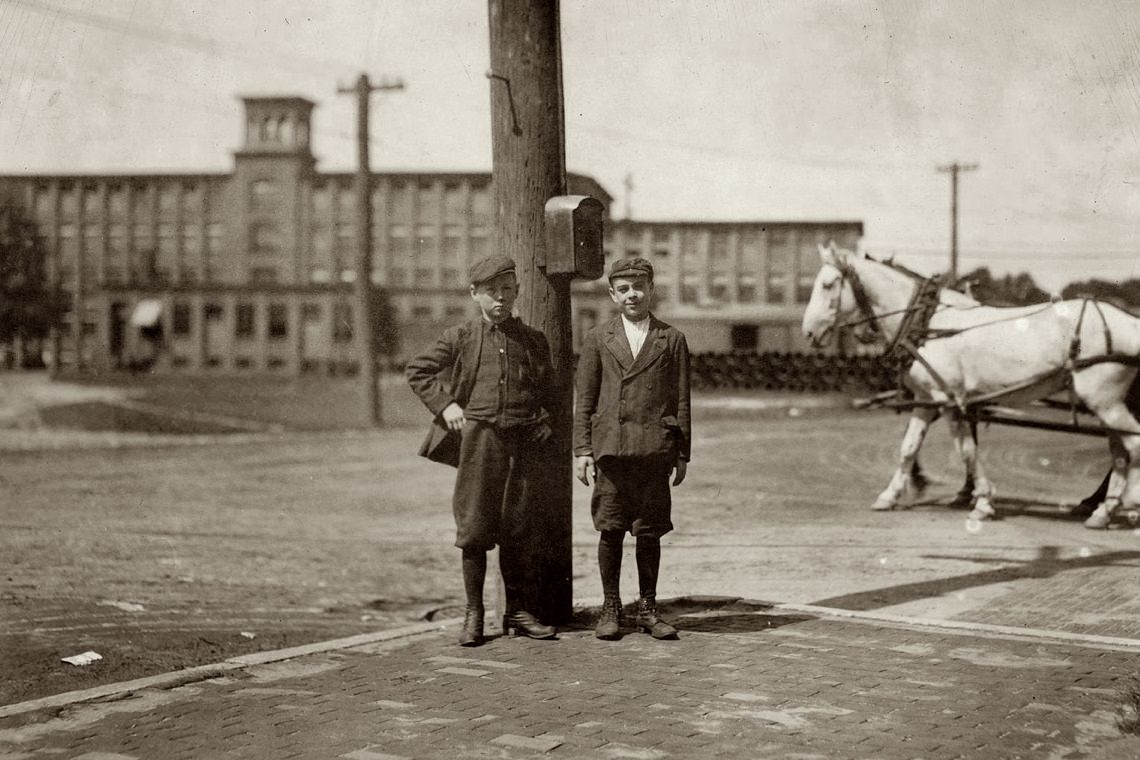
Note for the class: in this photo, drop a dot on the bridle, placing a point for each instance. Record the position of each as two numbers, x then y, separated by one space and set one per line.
867 318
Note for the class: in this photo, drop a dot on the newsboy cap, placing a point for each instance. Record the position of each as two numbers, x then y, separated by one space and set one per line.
630 268
486 269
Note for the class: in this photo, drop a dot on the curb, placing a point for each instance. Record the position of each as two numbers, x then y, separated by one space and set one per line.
204 672
1090 640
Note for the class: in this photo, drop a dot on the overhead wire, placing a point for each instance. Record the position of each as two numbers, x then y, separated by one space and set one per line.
270 57
263 57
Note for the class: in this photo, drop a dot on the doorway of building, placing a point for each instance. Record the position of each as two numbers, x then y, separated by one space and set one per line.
117 334
745 337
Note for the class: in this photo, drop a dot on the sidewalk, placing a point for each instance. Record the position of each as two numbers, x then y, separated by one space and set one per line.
745 680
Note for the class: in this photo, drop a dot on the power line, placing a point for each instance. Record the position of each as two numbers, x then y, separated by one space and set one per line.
698 147
195 43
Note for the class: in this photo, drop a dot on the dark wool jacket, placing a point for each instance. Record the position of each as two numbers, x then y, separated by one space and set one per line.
446 373
628 407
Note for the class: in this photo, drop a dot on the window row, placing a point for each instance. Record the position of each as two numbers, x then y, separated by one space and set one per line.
453 201
116 199
250 322
142 237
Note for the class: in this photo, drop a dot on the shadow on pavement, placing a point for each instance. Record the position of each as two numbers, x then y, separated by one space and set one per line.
748 622
702 614
1046 564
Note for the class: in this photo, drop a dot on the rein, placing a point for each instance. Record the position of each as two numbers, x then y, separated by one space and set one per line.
848 275
914 330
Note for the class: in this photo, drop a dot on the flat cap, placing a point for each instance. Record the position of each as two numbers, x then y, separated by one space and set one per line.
630 268
488 268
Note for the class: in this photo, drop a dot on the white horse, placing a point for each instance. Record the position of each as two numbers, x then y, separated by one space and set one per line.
975 354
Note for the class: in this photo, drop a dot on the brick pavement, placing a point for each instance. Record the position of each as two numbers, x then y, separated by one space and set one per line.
744 681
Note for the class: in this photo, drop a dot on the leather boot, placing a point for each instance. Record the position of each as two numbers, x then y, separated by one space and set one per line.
649 621
522 623
471 635
609 619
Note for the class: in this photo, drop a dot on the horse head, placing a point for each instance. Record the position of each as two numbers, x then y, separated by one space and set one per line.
834 301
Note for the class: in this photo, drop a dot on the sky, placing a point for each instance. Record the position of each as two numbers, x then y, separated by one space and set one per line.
722 110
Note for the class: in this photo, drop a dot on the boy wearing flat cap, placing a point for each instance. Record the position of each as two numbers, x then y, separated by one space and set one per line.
485 382
631 431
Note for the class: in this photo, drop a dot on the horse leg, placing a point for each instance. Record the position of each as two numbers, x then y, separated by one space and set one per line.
1105 390
965 495
912 441
966 444
918 480
1114 490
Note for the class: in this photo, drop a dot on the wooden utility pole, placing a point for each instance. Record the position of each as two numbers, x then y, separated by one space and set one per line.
627 183
953 170
362 290
528 168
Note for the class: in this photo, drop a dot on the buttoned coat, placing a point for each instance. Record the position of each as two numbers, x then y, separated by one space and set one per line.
633 407
446 373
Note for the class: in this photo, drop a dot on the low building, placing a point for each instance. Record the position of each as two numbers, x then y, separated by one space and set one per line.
732 286
253 270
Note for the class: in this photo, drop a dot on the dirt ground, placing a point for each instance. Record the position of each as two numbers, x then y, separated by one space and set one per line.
164 556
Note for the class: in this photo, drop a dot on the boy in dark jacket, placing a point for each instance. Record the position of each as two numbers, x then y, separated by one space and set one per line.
631 430
491 422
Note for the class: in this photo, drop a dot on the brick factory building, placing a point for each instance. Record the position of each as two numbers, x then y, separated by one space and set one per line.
253 271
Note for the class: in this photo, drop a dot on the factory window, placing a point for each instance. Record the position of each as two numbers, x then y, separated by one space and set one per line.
263 238
479 242
246 320
452 242
214 238
345 236
263 275
342 322
262 195
278 321
92 202
746 290
167 198
181 318
454 202
116 199
425 239
116 240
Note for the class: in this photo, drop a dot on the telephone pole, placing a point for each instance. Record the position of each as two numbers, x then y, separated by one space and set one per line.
362 288
953 169
627 183
528 168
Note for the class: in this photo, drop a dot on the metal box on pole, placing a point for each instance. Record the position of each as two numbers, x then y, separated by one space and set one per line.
574 236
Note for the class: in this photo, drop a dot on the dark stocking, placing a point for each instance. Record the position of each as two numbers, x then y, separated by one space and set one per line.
648 564
609 561
474 572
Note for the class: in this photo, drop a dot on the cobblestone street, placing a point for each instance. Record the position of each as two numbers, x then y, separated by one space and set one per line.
811 626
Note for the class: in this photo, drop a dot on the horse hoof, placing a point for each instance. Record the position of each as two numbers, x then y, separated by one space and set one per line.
1098 520
882 506
982 510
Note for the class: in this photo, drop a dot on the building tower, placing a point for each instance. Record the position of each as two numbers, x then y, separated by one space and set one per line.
272 172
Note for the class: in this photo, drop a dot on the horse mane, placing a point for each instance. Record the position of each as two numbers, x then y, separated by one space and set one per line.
950 296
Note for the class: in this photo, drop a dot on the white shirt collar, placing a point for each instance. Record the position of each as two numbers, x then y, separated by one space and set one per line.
635 333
